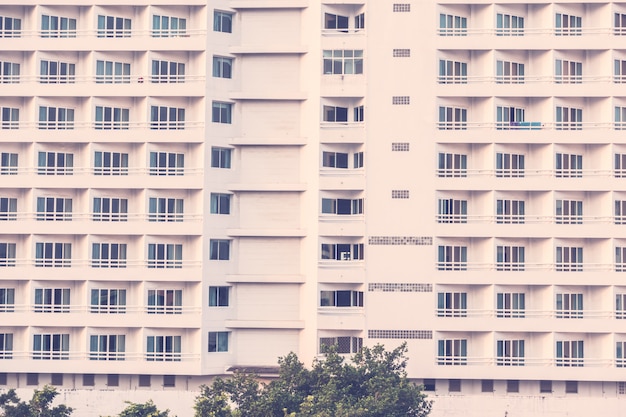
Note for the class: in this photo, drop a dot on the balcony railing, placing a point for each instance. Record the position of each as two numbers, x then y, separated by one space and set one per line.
530 173
124 34
85 355
528 266
102 171
527 219
530 125
87 263
525 361
101 79
102 217
517 32
97 309
523 313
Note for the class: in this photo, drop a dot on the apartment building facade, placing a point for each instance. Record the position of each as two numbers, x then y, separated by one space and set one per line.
191 188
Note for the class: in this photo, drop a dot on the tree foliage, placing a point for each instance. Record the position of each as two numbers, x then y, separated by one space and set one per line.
147 409
373 384
38 406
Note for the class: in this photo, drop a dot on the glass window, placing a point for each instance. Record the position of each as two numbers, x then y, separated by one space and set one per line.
222 22
8 163
8 208
339 61
168 26
108 300
219 296
222 67
165 301
53 254
220 157
219 249
7 254
167 71
220 203
165 255
107 347
10 27
113 27
6 346
163 348
58 27
222 112
9 72
112 72
110 163
165 209
7 300
108 118
110 209
52 300
10 118
108 255
167 163
218 341
167 118
51 346
55 163
54 208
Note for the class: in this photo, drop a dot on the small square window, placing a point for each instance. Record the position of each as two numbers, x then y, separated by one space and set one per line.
219 249
169 380
220 203
571 387
144 380
512 385
89 380
220 157
222 112
454 385
621 388
56 379
32 379
487 385
219 296
113 380
222 22
218 341
429 385
3 378
545 386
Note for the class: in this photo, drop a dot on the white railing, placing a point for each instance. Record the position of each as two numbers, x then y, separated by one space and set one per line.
102 125
530 125
524 361
529 314
528 79
530 173
526 266
84 355
102 172
101 79
98 309
516 32
102 217
82 263
527 219
158 34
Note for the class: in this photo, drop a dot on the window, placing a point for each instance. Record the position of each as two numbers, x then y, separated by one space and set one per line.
620 118
359 21
218 342
512 385
402 7
454 385
219 296
54 208
10 27
53 254
358 160
334 159
343 61
569 165
220 157
110 163
568 118
8 163
619 71
341 298
168 72
219 249
452 118
57 27
165 255
619 24
569 306
509 258
400 194
113 27
165 209
450 25
51 346
222 22
56 379
359 115
167 118
110 209
342 251
509 25
510 353
168 26
509 165
569 212
568 25
430 385
169 380
163 348
56 72
6 345
167 163
222 67
452 304
452 72
7 300
620 211
108 300
335 114
620 259
568 72
620 354
452 165
336 22
144 380
8 208
452 258
222 112
10 118
108 255
52 300
342 206
108 118
510 304
107 347
32 379
220 203
451 211
9 72
55 163
402 53
56 118
509 72
486 385
509 117
7 254
452 352
569 353
165 301
89 380
343 344
111 72
569 258
571 387
545 387
113 380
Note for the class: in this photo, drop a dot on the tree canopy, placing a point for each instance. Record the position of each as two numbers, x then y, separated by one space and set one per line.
373 383
38 406
147 409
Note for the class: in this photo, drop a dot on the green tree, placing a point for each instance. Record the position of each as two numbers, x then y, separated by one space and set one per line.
147 409
373 383
38 406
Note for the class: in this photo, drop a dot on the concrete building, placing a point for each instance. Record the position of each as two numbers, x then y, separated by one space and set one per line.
188 188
